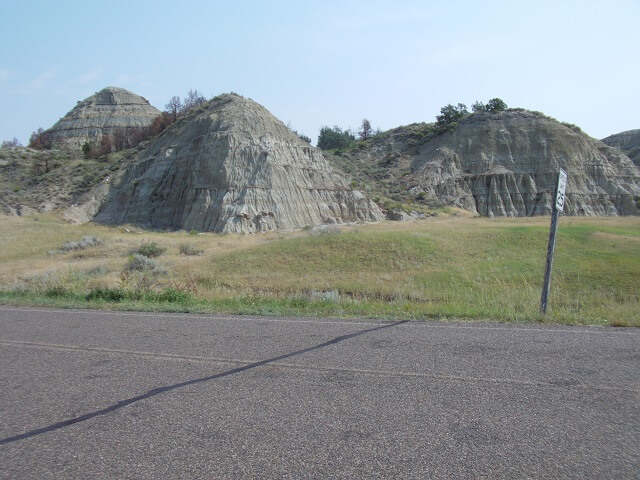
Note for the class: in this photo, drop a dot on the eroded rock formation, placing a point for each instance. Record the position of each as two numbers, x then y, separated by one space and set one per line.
231 166
504 164
628 142
110 109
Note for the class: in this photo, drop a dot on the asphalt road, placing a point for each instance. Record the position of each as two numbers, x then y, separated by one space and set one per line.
87 394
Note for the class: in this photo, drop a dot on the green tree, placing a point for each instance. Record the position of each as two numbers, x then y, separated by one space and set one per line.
335 137
493 106
366 130
496 105
478 107
303 137
450 114
87 149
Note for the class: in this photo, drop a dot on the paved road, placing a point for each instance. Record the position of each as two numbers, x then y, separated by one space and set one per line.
87 394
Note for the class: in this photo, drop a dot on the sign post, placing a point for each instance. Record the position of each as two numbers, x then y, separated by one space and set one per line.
558 206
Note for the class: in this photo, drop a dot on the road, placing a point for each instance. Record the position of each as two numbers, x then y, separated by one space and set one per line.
88 394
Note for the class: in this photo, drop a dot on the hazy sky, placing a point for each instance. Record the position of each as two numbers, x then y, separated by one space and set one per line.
315 63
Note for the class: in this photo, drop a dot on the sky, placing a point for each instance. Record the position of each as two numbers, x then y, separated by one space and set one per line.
318 63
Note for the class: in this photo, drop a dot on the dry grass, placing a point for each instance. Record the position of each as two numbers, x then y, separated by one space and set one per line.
441 267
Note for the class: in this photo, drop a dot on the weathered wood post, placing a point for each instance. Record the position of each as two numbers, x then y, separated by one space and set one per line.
558 206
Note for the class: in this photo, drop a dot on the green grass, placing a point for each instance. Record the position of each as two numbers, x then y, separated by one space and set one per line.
455 268
490 273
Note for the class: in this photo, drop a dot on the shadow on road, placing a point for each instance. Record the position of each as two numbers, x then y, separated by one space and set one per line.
168 388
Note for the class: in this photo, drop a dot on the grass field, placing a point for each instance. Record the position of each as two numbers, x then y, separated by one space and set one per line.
454 268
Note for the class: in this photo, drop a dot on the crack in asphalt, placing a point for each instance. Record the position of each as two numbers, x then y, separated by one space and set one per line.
160 390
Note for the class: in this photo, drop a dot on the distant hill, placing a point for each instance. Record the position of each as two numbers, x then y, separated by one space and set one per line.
111 112
628 142
57 175
494 164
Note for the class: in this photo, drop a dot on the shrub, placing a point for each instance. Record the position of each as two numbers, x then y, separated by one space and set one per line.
57 291
172 295
108 294
188 249
151 249
573 127
114 294
324 230
303 137
142 263
86 149
10 143
332 296
85 242
98 271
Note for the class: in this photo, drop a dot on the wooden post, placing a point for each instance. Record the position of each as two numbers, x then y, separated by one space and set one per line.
558 206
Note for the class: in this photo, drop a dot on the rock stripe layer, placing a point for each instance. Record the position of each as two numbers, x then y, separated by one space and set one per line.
101 114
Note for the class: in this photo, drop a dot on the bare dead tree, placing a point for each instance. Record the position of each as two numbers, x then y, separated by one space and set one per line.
161 122
194 98
40 140
106 144
174 107
10 143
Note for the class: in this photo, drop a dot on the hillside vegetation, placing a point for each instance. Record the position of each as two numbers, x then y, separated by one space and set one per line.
381 167
456 268
43 180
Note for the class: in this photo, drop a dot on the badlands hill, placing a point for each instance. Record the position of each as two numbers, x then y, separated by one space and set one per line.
102 114
628 142
231 166
495 164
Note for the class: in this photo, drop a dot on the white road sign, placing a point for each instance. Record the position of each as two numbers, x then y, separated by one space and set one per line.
562 186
